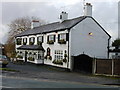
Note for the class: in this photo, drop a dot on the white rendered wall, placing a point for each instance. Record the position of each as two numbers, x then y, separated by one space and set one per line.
81 42
53 47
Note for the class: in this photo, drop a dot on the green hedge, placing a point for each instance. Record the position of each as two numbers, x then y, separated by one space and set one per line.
31 59
59 62
19 56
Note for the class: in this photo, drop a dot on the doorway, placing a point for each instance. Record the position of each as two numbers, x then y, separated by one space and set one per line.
83 63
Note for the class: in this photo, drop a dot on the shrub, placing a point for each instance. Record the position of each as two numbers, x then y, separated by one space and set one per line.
59 62
62 41
24 43
31 59
31 43
19 56
116 43
65 60
39 43
50 42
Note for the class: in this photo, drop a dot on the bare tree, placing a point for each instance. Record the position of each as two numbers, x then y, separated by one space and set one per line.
21 24
17 26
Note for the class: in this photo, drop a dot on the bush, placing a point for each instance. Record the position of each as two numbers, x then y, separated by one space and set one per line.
65 60
39 43
31 43
50 42
19 56
59 62
62 41
31 59
116 43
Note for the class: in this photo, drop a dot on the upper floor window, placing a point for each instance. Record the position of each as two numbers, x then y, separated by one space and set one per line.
32 40
19 41
39 40
62 38
24 41
51 39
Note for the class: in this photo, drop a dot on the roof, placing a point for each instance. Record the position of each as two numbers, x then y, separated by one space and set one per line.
31 47
67 24
57 26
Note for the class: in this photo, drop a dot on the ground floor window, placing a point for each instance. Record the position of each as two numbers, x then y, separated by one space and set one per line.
40 55
58 55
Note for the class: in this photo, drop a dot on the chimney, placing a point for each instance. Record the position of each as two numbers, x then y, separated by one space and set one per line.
119 19
35 23
63 16
88 9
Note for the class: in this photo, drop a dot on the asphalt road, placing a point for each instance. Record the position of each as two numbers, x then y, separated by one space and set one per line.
15 82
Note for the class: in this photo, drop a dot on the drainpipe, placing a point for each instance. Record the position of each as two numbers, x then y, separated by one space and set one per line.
68 48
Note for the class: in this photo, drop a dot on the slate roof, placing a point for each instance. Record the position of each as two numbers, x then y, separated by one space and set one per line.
31 47
67 24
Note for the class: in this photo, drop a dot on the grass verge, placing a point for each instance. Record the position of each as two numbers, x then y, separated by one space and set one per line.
7 69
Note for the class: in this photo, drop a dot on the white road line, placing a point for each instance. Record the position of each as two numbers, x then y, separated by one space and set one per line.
5 87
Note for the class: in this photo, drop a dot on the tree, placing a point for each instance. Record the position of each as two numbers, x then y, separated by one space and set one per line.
116 43
21 24
17 26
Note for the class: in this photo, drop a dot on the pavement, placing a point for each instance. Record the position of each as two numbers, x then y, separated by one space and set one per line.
28 70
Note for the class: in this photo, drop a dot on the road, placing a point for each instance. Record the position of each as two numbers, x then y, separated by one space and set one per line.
15 82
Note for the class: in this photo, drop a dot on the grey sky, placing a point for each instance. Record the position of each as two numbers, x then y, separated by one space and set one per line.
104 12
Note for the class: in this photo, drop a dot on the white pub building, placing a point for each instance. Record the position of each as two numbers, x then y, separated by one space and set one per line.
56 43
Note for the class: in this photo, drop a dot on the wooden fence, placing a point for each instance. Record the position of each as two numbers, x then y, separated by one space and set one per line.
106 66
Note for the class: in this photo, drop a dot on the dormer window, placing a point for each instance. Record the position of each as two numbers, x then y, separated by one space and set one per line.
31 41
19 41
39 40
51 39
62 38
24 41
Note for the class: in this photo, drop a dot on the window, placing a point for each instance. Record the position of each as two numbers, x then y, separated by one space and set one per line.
39 40
32 41
40 55
58 55
19 41
24 41
62 38
51 39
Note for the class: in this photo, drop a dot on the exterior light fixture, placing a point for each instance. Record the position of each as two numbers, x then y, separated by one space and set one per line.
91 34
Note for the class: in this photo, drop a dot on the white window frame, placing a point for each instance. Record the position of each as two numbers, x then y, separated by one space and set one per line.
58 55
40 38
51 37
62 36
40 55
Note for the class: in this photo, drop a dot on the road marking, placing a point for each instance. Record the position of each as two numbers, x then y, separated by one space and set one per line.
5 87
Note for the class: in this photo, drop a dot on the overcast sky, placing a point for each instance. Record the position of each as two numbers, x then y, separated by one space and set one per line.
104 11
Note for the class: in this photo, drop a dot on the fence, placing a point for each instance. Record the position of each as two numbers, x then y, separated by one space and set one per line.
106 66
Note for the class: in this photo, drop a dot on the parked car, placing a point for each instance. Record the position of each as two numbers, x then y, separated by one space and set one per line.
3 60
